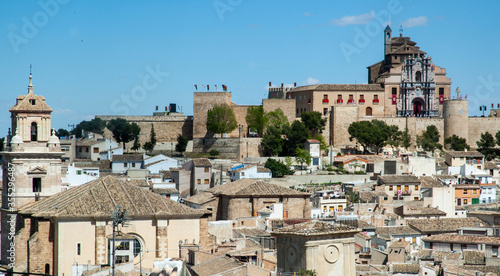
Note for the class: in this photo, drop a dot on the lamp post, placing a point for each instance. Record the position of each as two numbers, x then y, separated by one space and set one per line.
119 217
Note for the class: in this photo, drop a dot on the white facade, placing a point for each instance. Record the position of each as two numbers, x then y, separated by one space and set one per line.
159 163
421 166
76 176
249 172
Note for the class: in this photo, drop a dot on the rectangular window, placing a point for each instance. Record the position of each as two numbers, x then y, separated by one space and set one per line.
474 191
394 91
207 181
207 169
375 97
414 240
133 165
325 96
339 97
96 150
390 188
441 91
416 187
37 185
86 149
325 111
407 187
79 172
361 97
198 181
124 165
78 249
465 201
464 191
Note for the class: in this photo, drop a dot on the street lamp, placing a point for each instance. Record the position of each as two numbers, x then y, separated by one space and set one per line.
119 217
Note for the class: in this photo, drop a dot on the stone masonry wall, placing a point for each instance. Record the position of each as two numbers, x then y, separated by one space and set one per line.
202 102
479 125
100 243
286 105
161 241
41 248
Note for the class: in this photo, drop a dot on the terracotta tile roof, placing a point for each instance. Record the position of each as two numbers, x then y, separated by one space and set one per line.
252 187
465 153
251 232
315 228
363 236
490 166
473 257
154 163
215 266
127 157
444 224
85 142
263 169
201 162
138 182
438 255
368 196
454 238
405 268
201 198
429 182
166 174
99 197
396 231
399 244
339 87
398 179
409 210
165 191
26 105
363 224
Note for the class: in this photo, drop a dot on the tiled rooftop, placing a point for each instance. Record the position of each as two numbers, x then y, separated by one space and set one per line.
315 228
399 179
444 224
454 238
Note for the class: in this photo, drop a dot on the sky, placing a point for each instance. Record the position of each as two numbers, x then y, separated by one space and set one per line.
127 57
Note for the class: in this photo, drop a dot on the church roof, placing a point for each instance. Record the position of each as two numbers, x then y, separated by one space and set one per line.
30 102
99 197
315 228
252 187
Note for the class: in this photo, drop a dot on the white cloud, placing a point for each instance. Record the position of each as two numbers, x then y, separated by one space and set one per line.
311 81
63 111
414 22
354 19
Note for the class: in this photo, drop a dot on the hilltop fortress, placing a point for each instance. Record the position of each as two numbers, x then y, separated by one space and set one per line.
405 89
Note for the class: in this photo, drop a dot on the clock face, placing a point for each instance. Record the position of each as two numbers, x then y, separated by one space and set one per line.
331 253
291 254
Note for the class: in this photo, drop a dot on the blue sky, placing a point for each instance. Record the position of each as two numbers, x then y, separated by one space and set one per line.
126 57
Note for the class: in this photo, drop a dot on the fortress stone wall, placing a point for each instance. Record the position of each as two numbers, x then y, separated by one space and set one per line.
286 105
167 128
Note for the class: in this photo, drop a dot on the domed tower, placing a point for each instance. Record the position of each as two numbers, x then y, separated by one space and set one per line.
387 40
456 118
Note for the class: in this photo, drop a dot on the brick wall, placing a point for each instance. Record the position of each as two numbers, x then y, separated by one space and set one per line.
41 247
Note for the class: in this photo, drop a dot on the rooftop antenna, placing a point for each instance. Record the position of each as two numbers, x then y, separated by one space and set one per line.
401 30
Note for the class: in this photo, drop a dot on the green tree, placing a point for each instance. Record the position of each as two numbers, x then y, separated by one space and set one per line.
322 144
370 134
308 272
95 125
288 162
152 135
123 131
214 153
221 119
394 137
256 119
405 139
302 156
456 143
277 119
313 122
296 136
429 139
181 143
137 144
272 141
486 146
352 197
62 133
148 146
497 138
277 168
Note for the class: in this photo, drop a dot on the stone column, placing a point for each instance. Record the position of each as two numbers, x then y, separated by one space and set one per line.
101 256
162 239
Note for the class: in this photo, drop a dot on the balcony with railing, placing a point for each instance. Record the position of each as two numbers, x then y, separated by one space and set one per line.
326 101
361 101
340 101
375 101
351 101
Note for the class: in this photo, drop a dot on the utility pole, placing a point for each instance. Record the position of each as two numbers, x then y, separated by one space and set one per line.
119 217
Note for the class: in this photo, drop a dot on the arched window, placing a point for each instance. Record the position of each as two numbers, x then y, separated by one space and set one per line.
418 76
368 111
34 132
47 269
